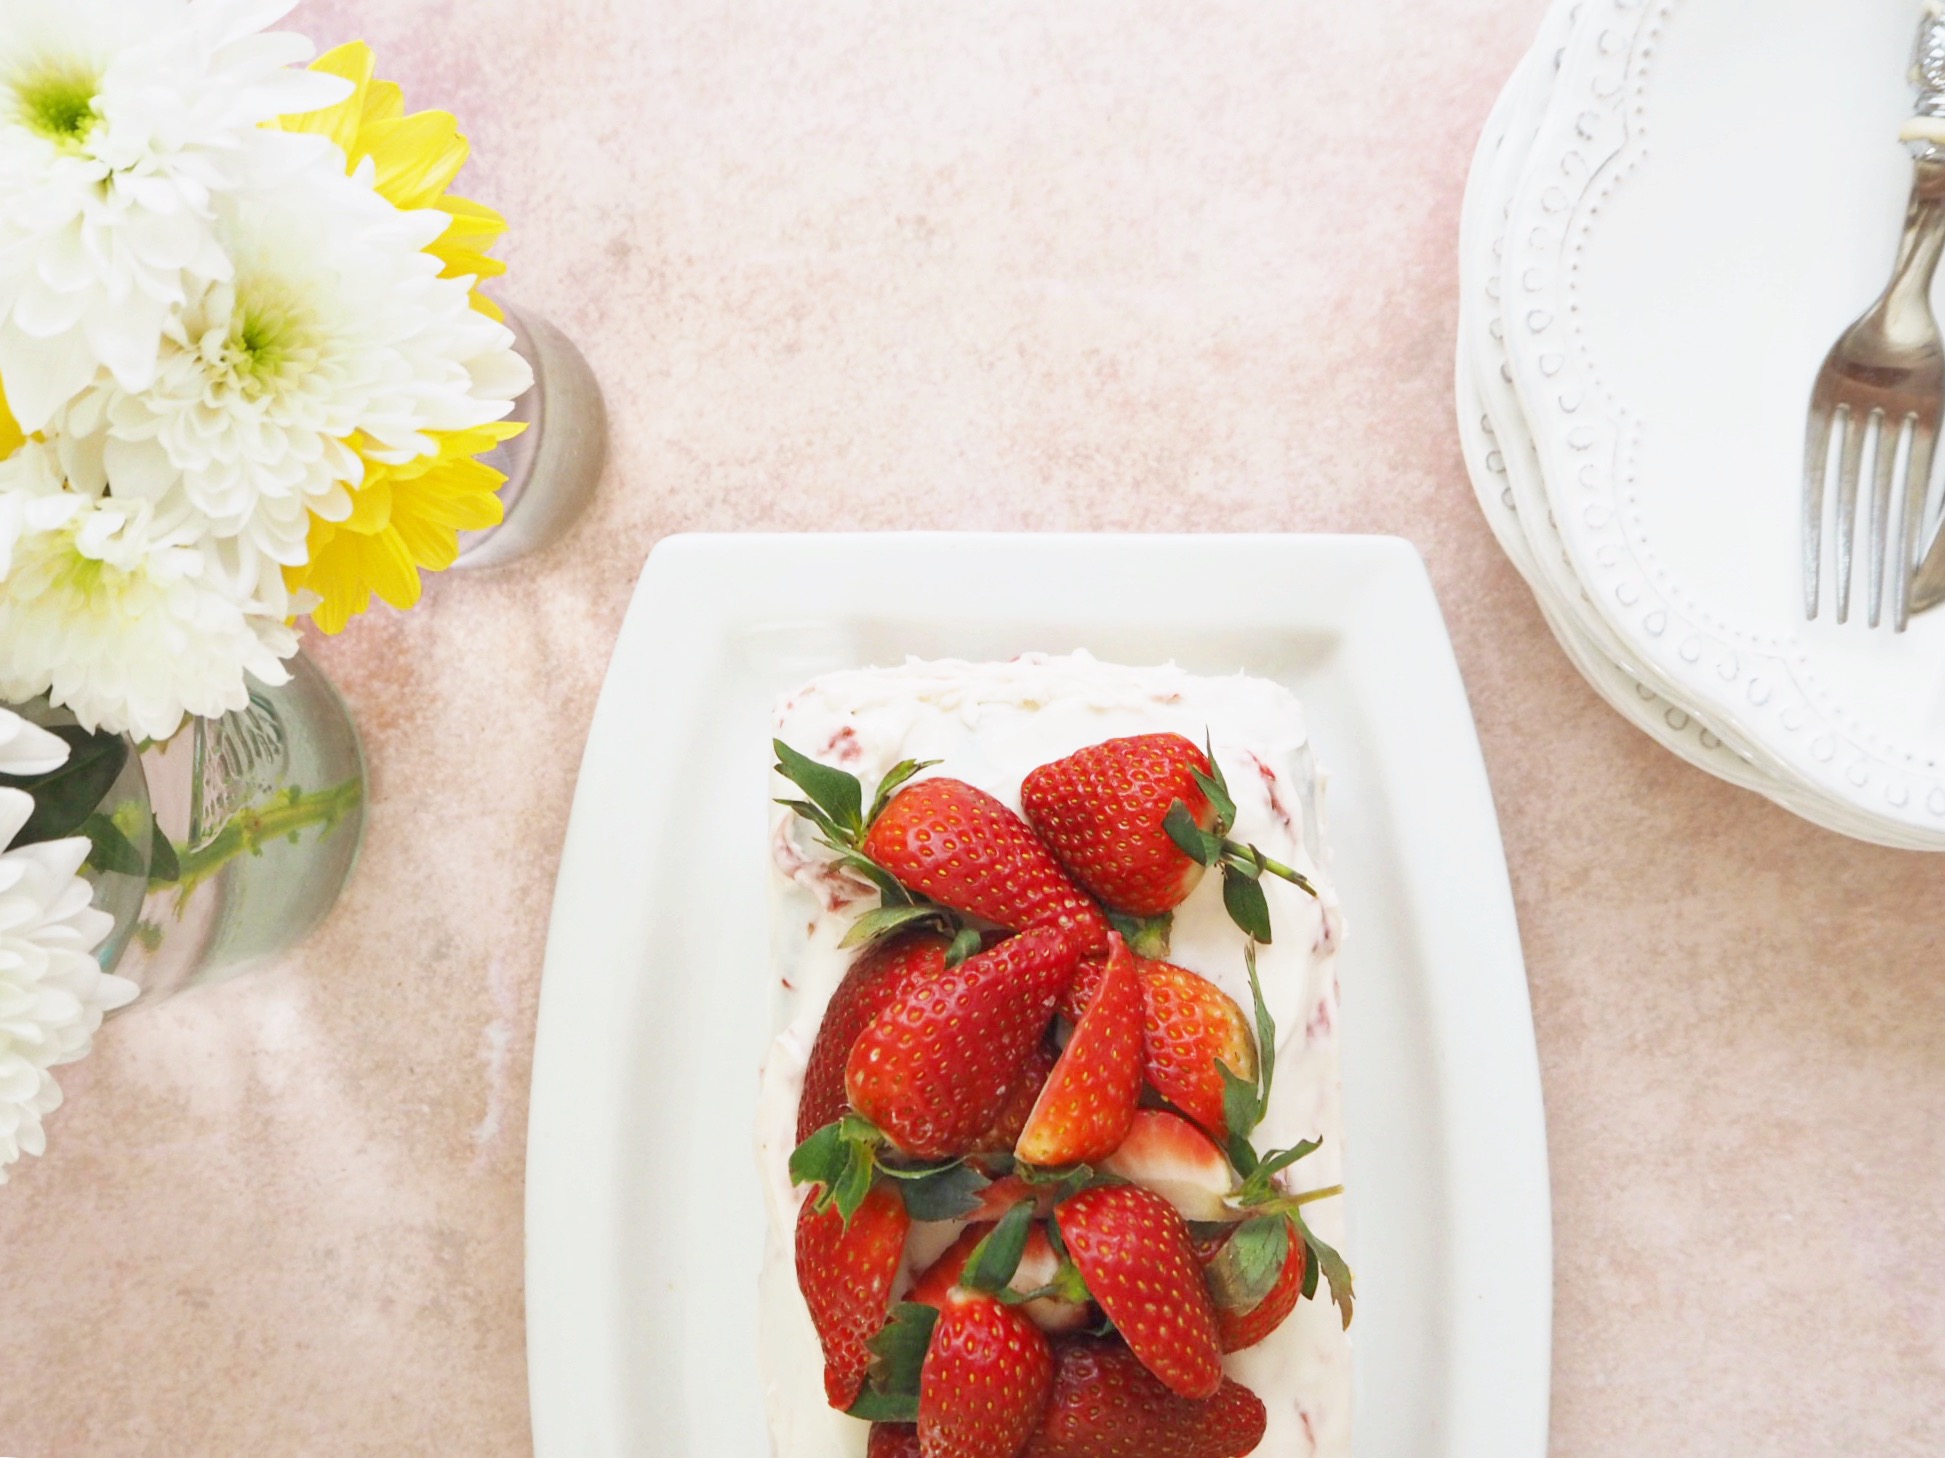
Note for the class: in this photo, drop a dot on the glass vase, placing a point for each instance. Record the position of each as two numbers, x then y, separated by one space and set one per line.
236 836
552 466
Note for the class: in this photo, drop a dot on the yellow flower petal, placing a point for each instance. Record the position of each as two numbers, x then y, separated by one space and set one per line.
416 156
393 575
338 122
371 506
405 516
11 439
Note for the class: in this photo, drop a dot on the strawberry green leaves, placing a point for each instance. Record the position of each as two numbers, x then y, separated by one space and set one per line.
840 1160
1250 1262
835 806
1322 1257
950 1192
1245 1102
997 1257
890 1393
1242 866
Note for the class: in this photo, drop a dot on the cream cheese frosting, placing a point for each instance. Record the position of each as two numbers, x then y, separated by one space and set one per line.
989 724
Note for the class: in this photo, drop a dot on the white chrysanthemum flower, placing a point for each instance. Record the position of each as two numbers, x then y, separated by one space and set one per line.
118 619
52 994
121 121
335 324
28 749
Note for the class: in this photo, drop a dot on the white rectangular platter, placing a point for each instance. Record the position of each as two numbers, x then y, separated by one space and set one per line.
644 1216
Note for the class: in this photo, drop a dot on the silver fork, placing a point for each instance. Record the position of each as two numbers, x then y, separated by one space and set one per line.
1885 374
1883 383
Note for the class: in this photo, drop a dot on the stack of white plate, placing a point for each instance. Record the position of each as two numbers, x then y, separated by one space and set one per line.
1676 208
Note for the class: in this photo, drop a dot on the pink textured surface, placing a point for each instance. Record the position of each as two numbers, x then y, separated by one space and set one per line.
1118 266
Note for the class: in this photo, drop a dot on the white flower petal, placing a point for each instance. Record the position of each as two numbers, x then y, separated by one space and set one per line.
28 749
52 994
117 619
118 210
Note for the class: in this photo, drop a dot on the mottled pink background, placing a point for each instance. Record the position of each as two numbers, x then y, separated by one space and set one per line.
1094 265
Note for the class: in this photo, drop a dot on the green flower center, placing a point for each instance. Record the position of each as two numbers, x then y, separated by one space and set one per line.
89 583
59 103
272 336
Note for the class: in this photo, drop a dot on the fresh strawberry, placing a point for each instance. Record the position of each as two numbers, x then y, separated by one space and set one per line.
1105 1404
1006 1192
964 849
1188 1026
932 1070
1241 1322
936 1281
1039 1267
1089 1099
872 982
1080 988
1172 1157
893 1440
1137 821
845 1273
1134 1253
985 1382
1020 1100
1100 811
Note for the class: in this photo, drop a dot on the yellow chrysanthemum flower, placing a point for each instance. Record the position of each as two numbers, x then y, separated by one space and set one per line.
405 518
415 158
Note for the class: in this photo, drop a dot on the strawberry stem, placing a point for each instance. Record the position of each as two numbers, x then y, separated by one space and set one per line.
1252 863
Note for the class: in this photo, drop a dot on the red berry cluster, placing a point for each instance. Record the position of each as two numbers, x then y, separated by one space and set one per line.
1000 1056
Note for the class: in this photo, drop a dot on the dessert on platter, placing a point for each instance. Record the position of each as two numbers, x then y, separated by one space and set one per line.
1051 1130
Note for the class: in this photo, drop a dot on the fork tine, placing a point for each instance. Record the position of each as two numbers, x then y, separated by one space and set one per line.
1847 505
1816 466
1888 432
1917 483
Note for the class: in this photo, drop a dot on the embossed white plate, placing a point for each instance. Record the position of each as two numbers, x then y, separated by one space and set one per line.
1712 195
1505 470
644 1218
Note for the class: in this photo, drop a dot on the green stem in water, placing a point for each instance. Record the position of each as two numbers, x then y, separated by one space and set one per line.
254 827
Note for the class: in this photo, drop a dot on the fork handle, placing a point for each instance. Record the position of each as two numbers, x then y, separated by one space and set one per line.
1920 248
1926 129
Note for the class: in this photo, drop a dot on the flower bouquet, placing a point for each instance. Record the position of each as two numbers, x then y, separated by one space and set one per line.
247 379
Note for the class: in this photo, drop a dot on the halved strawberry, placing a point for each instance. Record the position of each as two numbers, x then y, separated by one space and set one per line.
893 1440
1020 1100
1101 812
964 849
1105 1404
1138 820
1172 1157
1242 1317
1039 1267
932 1070
873 980
1085 1108
984 1385
846 1272
1188 1026
1006 1192
935 1282
1134 1253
